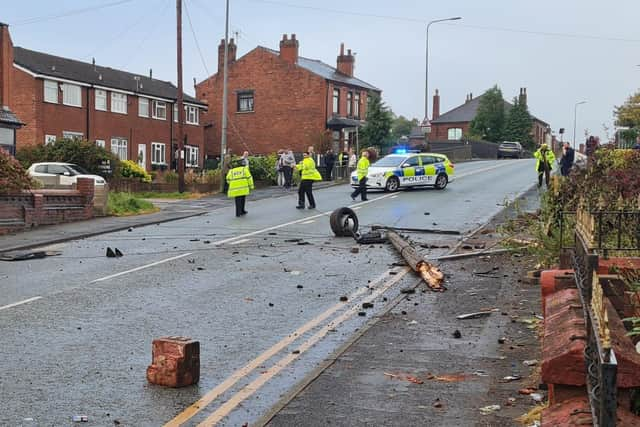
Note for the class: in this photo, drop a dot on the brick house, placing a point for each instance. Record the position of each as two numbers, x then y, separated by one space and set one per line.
134 116
278 99
454 124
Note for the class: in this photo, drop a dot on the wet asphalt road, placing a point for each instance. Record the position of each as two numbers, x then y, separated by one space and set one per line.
82 343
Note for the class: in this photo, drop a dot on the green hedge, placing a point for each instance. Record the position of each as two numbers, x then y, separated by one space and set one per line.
13 177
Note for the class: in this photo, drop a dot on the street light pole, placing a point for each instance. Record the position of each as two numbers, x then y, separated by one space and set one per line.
225 74
426 73
575 118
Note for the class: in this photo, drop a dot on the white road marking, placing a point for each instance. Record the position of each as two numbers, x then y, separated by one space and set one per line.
241 241
308 222
15 304
357 207
394 196
153 264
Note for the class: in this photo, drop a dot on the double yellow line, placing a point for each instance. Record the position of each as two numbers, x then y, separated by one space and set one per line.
385 281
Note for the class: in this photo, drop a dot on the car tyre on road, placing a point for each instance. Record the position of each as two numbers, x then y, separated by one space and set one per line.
392 185
343 222
441 182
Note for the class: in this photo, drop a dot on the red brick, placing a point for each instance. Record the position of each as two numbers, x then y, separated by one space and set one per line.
175 362
554 280
577 412
628 375
606 266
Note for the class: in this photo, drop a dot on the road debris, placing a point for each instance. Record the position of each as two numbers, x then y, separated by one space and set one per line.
355 250
344 298
81 418
362 313
527 391
114 253
413 322
408 290
432 276
405 377
367 305
537 397
27 255
486 410
510 378
457 334
299 286
437 404
477 314
417 230
532 362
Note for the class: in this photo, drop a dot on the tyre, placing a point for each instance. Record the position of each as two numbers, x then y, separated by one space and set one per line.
392 185
441 182
343 222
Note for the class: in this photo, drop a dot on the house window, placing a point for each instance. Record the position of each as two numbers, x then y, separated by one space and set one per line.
143 107
100 143
101 100
71 95
349 105
158 156
72 135
336 101
49 139
159 110
50 91
192 155
192 115
118 103
175 113
454 134
7 139
119 147
245 102
356 106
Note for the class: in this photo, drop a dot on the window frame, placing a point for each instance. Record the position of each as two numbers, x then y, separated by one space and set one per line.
69 134
141 101
163 153
189 150
118 98
349 104
100 94
154 110
457 131
50 139
57 96
67 90
336 101
100 143
119 144
356 105
245 95
196 114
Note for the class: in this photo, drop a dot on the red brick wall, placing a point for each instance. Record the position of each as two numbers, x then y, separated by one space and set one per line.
23 104
440 131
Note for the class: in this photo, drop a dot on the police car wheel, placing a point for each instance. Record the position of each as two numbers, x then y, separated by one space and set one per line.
393 183
441 182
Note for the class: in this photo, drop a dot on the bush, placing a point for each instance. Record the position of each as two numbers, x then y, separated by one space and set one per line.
81 153
170 177
263 168
13 177
130 169
212 176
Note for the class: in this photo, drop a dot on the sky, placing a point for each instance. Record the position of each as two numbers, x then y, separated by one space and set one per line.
562 51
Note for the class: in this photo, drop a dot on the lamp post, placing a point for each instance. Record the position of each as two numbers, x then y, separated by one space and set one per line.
426 74
575 118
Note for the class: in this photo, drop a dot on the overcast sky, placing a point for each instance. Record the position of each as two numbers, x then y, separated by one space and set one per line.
510 43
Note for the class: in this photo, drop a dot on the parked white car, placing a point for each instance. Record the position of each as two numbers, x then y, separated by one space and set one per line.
68 172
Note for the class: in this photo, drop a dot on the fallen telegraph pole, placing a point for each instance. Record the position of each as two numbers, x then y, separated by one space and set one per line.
432 276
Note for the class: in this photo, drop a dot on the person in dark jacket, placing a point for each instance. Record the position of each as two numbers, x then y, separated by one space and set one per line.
329 161
568 157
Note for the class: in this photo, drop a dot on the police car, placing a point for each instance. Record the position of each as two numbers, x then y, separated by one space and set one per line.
406 170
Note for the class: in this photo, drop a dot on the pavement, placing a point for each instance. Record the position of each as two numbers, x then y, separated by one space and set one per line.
261 293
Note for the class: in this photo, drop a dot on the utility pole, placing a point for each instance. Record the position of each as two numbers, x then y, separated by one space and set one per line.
575 120
223 142
179 100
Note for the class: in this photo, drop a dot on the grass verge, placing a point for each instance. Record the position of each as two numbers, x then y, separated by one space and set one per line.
124 204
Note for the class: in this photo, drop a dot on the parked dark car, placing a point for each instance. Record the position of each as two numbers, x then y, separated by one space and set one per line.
510 149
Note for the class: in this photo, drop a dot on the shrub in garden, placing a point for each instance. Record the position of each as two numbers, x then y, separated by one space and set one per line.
13 177
130 169
263 168
170 177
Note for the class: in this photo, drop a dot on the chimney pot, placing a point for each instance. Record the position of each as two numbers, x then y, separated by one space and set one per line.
150 73
293 36
284 37
341 48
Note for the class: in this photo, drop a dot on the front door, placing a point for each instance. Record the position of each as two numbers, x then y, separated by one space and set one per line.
142 155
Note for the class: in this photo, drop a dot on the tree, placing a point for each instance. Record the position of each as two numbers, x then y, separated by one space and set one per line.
377 130
13 177
628 114
518 125
489 121
402 126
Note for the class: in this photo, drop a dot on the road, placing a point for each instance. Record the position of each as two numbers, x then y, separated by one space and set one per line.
77 328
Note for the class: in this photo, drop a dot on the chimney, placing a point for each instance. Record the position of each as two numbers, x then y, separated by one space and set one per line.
6 66
346 63
151 73
289 49
436 105
232 53
522 99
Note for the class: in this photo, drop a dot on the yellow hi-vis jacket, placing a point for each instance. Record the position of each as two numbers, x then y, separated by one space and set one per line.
308 171
363 168
550 157
240 181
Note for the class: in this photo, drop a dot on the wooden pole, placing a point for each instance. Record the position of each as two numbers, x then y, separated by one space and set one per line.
431 275
179 100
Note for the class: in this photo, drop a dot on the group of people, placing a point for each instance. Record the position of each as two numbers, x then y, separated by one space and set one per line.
545 158
239 182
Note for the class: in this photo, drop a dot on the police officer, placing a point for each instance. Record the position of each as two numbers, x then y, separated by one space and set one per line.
363 171
240 184
544 163
308 174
